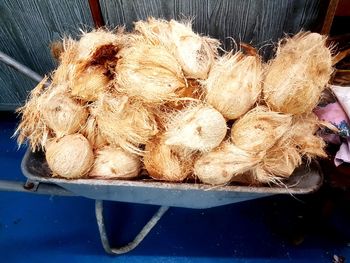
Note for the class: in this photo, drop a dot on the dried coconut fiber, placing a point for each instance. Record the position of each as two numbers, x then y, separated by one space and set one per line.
49 112
259 129
91 43
194 53
90 83
124 122
166 163
221 165
196 128
86 65
70 157
149 72
93 133
300 141
234 84
64 72
115 163
32 126
303 135
298 74
61 113
278 163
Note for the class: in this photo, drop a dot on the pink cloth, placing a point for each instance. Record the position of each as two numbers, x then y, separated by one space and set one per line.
332 112
343 155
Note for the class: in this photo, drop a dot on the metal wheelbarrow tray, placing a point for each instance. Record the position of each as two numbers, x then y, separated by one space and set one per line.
304 180
189 195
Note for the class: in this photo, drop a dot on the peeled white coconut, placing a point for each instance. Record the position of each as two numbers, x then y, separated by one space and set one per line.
115 163
195 53
259 129
221 165
62 114
196 128
70 156
149 72
234 84
164 162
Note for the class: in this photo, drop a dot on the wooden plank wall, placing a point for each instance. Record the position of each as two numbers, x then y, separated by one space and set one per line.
260 22
28 26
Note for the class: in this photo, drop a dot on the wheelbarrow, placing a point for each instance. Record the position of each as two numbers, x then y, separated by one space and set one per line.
304 180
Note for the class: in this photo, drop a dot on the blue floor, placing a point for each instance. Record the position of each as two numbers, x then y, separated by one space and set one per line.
36 228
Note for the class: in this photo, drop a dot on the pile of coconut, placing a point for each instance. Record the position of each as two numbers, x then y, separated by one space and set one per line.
168 101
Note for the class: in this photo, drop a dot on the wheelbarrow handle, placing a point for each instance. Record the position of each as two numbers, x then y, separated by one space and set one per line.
137 240
20 67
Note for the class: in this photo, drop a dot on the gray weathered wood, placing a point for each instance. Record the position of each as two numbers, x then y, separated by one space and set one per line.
260 22
27 28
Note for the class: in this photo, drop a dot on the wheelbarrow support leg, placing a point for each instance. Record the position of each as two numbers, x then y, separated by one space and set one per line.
133 244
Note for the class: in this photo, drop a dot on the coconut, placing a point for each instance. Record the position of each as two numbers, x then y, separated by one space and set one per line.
234 84
115 163
194 53
70 156
278 163
91 43
90 83
65 71
196 128
223 164
124 122
166 163
86 65
299 141
259 129
298 74
93 134
304 137
149 72
61 113
154 31
32 126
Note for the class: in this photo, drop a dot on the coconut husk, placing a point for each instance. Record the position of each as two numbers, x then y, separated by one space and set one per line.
277 164
69 157
115 163
300 141
93 134
90 83
88 65
150 73
62 114
56 49
64 72
99 45
187 95
303 135
225 164
32 127
124 122
259 129
166 163
298 74
194 53
197 127
234 84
